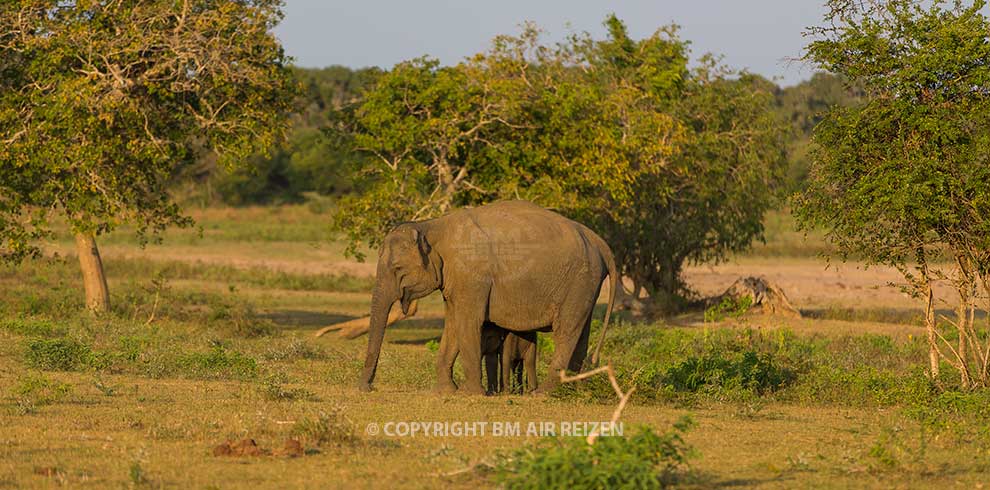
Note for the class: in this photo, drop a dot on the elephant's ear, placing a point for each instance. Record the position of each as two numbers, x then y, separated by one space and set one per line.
424 247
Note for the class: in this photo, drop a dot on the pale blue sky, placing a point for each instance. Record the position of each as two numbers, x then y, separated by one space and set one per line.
759 35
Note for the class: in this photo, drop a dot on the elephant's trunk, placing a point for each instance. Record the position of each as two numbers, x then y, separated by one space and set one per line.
382 299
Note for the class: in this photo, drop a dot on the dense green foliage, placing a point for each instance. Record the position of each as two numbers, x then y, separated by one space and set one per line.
690 366
802 107
102 103
644 460
670 164
901 178
310 160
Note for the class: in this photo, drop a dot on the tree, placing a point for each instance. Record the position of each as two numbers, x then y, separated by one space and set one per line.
103 101
671 165
703 195
802 108
901 178
309 161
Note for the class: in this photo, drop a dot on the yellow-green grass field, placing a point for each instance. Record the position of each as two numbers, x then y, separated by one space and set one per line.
211 340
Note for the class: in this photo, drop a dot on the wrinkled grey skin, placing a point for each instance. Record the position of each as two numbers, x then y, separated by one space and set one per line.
511 263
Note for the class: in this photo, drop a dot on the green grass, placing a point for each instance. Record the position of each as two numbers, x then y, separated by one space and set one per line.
216 226
783 240
195 354
224 274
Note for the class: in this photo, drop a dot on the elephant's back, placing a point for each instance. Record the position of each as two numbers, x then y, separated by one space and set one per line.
505 214
523 240
524 223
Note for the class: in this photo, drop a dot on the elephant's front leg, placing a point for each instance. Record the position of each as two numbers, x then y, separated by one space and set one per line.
466 327
445 363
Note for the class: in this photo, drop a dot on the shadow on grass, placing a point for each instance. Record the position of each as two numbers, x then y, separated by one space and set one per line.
419 324
302 319
901 316
712 480
422 341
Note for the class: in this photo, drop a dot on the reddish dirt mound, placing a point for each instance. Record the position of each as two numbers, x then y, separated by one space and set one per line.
246 447
48 471
292 449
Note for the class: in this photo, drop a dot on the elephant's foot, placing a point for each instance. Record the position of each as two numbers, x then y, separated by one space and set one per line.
472 390
544 389
445 388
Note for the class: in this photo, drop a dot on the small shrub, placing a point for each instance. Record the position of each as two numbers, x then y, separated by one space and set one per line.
272 389
295 348
34 391
748 371
331 428
240 320
864 385
31 327
137 475
58 354
728 308
645 460
433 345
218 363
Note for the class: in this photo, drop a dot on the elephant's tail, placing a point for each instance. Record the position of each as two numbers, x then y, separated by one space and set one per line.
613 286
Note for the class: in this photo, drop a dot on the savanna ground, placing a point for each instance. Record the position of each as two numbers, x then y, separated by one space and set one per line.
210 340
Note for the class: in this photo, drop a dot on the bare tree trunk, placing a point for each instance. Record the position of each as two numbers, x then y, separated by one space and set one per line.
94 281
962 319
933 355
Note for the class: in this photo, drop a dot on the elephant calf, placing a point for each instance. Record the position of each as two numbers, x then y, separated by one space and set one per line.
506 356
518 357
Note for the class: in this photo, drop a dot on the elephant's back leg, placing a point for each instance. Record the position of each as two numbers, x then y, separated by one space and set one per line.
568 329
529 362
581 349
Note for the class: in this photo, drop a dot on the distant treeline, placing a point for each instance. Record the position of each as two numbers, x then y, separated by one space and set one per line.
310 162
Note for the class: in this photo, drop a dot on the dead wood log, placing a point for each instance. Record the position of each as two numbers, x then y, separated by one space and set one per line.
352 329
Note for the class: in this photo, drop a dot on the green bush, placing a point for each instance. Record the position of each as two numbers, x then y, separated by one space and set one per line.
863 385
728 307
218 363
331 428
644 460
58 354
29 327
272 388
239 319
717 371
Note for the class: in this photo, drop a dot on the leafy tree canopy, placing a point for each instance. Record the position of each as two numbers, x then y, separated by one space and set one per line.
102 102
670 164
901 178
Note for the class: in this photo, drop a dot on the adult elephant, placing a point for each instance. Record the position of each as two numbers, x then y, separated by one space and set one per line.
511 263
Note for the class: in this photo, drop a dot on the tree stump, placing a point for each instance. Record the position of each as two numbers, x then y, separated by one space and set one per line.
765 296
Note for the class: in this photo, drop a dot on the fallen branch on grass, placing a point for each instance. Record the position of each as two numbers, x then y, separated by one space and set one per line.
352 329
623 397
